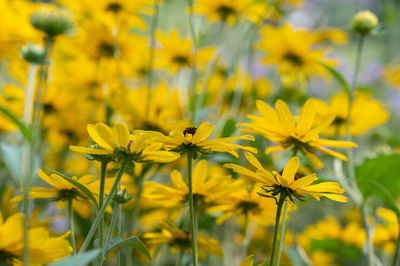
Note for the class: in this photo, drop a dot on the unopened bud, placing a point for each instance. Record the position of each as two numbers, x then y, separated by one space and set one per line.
33 54
52 22
364 22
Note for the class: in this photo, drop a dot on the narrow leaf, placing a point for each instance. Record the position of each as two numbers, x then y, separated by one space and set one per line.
339 78
82 259
22 127
132 241
81 187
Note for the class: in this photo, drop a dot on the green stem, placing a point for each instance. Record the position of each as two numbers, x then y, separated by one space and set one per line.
350 155
282 234
71 224
119 232
246 236
193 78
137 202
369 244
103 208
396 254
153 28
179 259
114 217
277 219
103 171
193 230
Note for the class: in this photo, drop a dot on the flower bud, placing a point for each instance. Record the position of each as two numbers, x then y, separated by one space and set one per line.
33 54
364 22
121 197
52 22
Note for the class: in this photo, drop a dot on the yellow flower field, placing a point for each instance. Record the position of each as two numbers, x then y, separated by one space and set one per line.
199 132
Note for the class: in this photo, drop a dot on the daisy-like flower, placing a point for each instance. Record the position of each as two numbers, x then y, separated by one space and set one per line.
43 249
179 239
365 113
244 203
229 11
209 187
287 184
62 190
176 53
280 126
195 140
293 51
138 146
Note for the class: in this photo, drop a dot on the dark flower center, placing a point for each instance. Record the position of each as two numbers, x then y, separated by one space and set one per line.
66 194
6 257
247 206
190 130
293 58
225 12
184 242
339 121
181 60
48 108
106 49
114 7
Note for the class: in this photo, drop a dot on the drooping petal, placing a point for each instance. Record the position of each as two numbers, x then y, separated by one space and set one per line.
89 150
285 116
306 118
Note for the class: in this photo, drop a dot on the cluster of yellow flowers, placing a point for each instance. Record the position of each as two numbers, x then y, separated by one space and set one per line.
160 88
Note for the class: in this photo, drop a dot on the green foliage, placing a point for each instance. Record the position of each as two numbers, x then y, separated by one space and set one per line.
339 78
229 128
132 242
26 131
78 259
380 177
335 246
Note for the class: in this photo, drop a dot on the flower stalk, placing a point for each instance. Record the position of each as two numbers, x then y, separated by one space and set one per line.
71 224
276 229
282 233
193 229
103 170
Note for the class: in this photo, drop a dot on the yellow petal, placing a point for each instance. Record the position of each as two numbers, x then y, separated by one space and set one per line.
202 132
304 181
335 197
306 118
121 134
285 116
94 134
337 143
290 169
89 150
248 261
253 160
177 180
199 175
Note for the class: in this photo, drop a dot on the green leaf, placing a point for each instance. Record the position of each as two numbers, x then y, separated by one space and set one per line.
22 127
339 78
229 128
78 259
81 187
132 241
380 177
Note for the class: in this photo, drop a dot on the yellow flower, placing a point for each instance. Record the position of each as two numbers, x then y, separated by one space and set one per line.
365 113
43 249
230 11
280 127
392 75
139 146
248 261
179 239
288 182
177 53
195 139
293 51
62 190
244 203
208 188
386 233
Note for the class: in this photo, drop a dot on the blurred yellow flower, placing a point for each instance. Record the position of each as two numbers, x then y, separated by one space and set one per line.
43 249
208 188
230 11
366 113
179 239
392 75
287 183
176 53
280 127
386 233
293 51
243 203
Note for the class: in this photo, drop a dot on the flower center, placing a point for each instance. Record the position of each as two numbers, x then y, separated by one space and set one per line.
181 60
183 242
106 49
246 206
6 257
190 130
114 7
339 121
66 194
225 12
293 58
